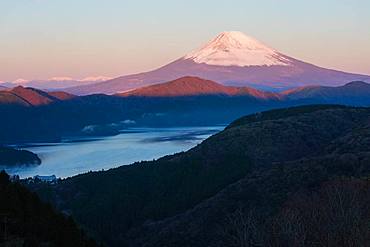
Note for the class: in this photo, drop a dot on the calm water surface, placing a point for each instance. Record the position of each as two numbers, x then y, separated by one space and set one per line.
79 155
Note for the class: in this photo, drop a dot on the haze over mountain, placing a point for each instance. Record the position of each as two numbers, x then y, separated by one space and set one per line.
232 58
56 82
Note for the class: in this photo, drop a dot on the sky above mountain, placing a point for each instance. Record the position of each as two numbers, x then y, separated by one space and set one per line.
79 38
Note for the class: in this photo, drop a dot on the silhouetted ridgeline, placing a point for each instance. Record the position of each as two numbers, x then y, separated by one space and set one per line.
275 180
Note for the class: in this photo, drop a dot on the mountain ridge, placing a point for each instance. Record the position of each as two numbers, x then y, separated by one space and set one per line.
27 96
195 86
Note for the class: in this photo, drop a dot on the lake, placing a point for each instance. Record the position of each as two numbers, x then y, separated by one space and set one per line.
73 156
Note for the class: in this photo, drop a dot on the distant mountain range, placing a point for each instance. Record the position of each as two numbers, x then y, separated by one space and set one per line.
355 93
30 96
30 114
234 59
351 89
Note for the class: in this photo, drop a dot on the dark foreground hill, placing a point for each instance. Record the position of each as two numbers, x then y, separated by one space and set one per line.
296 176
26 221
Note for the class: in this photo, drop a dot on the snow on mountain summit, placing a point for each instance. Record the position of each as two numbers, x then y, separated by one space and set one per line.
234 48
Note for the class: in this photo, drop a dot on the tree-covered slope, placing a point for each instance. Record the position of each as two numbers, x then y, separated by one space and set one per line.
125 202
319 199
26 221
323 201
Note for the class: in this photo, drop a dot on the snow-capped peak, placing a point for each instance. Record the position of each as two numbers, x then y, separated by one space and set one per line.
234 48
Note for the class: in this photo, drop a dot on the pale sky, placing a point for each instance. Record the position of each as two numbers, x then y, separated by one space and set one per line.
40 39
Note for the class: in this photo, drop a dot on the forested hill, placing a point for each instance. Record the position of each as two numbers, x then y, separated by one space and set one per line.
265 162
26 221
15 157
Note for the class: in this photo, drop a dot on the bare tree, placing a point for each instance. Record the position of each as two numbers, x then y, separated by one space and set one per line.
287 230
241 229
336 215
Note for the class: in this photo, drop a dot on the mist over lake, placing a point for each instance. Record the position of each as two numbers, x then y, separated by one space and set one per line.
74 156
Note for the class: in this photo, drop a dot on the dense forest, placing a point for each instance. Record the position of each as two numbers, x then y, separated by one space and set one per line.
297 175
26 221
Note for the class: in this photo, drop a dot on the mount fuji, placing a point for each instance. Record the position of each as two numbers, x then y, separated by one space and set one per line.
233 59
